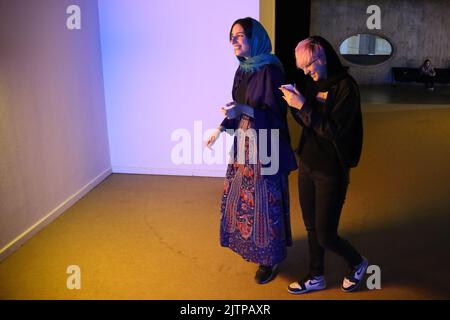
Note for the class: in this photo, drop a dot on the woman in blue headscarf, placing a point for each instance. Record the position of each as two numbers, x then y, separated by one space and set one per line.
255 218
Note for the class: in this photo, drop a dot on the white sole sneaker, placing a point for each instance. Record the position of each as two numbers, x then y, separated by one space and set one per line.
312 284
352 282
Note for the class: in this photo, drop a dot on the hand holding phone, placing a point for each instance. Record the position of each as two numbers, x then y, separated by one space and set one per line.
289 87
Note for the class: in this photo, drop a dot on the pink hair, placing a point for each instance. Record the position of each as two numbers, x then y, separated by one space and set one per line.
308 50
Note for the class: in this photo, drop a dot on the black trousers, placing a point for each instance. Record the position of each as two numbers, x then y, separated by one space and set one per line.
321 199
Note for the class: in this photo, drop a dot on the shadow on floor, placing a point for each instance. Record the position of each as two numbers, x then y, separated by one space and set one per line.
412 253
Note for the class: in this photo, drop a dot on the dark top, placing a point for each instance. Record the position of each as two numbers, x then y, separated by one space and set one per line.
319 153
333 131
259 90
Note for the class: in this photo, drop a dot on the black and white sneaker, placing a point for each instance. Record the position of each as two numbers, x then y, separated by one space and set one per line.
264 274
352 281
307 284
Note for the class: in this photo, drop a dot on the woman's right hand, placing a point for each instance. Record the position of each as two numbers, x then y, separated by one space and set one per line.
213 138
231 110
293 97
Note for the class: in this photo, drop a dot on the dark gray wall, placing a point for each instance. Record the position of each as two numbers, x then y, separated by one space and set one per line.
418 29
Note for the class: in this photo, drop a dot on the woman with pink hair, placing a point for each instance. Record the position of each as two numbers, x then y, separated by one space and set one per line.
329 112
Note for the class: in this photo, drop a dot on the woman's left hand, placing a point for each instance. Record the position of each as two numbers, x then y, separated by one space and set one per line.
293 98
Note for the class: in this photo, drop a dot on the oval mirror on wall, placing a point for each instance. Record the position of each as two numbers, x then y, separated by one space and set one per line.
366 49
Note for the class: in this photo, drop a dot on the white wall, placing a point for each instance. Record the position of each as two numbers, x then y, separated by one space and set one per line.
167 64
53 137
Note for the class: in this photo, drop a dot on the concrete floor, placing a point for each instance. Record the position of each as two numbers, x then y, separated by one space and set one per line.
405 94
156 237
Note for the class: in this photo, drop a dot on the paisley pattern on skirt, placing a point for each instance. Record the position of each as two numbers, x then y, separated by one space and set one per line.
255 219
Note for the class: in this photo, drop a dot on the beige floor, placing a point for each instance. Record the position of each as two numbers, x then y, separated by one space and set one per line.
156 237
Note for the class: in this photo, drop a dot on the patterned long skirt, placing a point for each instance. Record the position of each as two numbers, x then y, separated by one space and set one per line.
255 218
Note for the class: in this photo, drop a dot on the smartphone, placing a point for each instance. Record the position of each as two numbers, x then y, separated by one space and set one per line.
289 87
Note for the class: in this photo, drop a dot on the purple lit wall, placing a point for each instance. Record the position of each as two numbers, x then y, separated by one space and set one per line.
166 64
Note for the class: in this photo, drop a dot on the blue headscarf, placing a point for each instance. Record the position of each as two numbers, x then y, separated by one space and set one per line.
260 50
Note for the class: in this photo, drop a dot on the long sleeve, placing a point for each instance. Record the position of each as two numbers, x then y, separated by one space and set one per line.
259 90
228 124
270 111
296 117
345 107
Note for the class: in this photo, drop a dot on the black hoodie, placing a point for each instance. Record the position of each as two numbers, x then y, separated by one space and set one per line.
333 131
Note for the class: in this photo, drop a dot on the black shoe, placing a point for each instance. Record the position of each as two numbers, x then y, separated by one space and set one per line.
264 274
352 281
